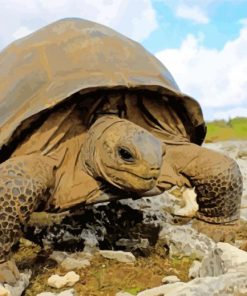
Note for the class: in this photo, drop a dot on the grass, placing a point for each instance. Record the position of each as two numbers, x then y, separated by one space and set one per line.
221 130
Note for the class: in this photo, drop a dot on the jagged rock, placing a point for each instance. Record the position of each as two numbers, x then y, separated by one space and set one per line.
185 241
194 269
70 292
125 257
155 209
71 261
170 279
102 226
18 288
59 256
69 279
221 259
228 284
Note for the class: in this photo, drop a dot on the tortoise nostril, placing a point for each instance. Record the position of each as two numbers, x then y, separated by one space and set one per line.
155 169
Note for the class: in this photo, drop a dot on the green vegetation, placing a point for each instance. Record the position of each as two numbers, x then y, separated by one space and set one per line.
221 130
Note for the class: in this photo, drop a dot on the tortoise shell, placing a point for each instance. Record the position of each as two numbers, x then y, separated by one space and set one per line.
71 55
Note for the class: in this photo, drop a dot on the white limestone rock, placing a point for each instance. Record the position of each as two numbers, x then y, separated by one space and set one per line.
190 206
72 261
68 280
120 256
4 291
170 279
223 258
59 256
185 241
18 288
228 284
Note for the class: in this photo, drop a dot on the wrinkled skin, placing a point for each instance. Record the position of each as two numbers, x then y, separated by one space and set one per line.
129 160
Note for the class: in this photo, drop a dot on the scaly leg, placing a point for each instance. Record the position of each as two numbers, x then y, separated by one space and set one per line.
24 182
217 180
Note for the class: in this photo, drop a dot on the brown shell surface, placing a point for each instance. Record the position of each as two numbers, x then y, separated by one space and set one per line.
43 69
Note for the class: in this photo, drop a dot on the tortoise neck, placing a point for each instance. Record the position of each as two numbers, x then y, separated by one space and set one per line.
91 160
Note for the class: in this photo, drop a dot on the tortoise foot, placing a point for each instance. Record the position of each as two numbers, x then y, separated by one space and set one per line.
9 272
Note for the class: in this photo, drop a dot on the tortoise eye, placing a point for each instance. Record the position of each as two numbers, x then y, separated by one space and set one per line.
125 154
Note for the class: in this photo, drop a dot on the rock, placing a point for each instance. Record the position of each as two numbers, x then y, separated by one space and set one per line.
194 269
221 259
190 206
18 288
142 243
72 263
59 256
185 241
70 292
155 210
170 279
125 257
227 284
69 279
4 291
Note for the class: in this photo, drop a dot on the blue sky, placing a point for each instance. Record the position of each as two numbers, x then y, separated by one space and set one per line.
222 25
202 42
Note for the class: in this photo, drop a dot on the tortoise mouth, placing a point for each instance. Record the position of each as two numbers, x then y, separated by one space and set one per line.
154 176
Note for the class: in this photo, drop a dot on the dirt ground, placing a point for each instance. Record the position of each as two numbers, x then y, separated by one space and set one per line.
104 276
107 277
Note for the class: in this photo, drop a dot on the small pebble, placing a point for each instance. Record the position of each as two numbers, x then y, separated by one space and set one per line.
120 256
69 279
170 279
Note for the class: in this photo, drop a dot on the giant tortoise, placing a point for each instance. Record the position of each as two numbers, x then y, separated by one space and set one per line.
83 107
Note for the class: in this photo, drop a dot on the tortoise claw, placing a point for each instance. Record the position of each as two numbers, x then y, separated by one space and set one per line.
9 272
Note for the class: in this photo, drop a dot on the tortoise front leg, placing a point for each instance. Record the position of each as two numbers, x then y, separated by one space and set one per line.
24 182
217 180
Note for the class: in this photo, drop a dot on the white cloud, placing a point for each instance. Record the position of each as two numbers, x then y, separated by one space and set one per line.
193 13
216 78
194 10
134 18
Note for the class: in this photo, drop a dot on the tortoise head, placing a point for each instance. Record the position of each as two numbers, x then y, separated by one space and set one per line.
124 154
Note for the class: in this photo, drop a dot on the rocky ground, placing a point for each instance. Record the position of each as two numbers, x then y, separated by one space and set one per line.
137 247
